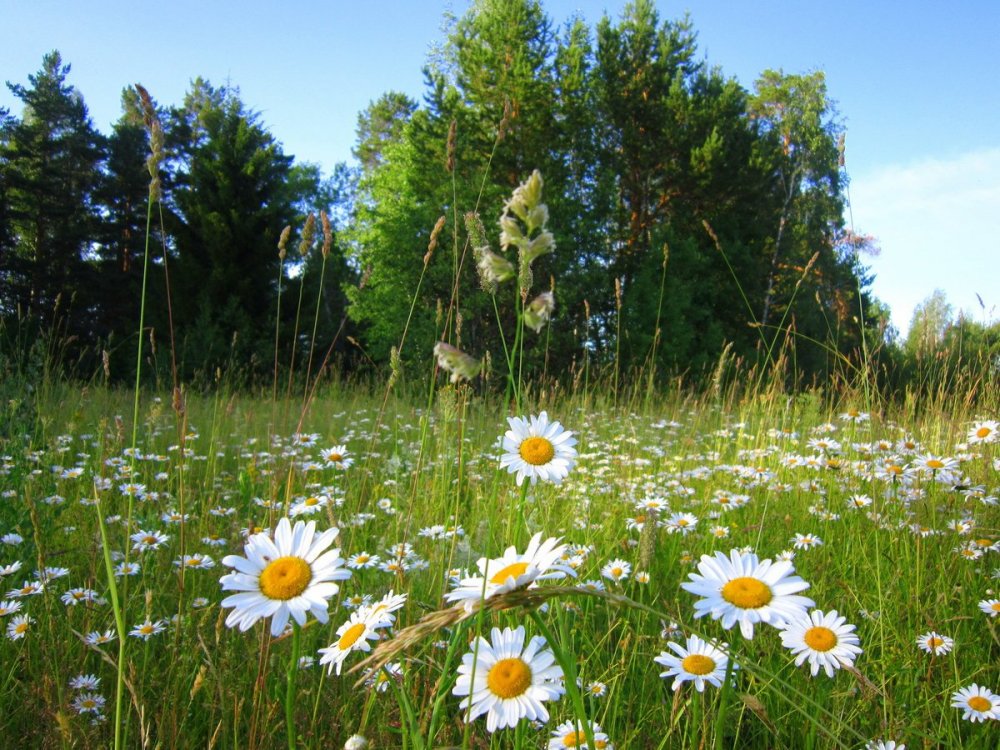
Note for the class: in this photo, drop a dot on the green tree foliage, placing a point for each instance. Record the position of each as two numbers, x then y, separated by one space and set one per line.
229 201
50 171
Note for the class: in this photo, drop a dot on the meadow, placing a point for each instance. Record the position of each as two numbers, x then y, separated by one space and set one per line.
115 537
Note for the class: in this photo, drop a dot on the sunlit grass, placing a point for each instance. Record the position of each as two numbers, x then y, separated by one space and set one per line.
898 558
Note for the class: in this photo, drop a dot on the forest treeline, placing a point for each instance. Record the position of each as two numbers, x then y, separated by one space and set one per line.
690 217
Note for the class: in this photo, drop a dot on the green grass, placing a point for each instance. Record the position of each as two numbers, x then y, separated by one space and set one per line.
201 684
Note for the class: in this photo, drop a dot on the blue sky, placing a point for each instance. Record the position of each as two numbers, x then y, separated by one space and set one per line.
915 83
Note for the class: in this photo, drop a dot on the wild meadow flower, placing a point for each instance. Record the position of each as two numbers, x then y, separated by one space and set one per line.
308 505
356 742
824 640
616 570
513 570
9 607
143 541
990 607
806 541
18 626
538 449
507 679
92 703
363 560
698 662
28 588
884 745
354 635
337 457
97 638
148 629
288 576
597 689
572 734
986 431
740 588
935 644
85 682
197 561
977 703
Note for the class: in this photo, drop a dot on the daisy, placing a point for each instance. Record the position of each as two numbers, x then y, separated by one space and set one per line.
537 449
147 540
597 689
92 703
983 432
85 682
309 505
18 626
363 560
353 635
884 745
148 629
990 607
681 522
540 561
616 570
9 607
96 638
739 588
699 662
806 541
337 457
571 734
978 703
935 643
507 679
825 640
381 613
29 588
290 575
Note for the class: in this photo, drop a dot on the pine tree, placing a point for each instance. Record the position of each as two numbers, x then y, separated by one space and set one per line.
50 161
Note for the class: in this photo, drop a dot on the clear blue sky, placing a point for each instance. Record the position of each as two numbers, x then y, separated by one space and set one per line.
916 84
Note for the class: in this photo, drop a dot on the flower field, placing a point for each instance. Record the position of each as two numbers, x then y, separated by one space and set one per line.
765 573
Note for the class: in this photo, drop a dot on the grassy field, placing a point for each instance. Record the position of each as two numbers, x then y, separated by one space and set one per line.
890 518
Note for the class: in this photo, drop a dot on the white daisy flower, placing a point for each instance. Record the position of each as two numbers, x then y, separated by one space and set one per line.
978 703
508 680
540 561
538 449
353 635
739 588
935 643
337 457
884 745
990 607
617 570
572 734
824 640
18 626
699 662
289 576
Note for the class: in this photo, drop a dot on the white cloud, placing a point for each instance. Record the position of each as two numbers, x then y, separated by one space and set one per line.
938 224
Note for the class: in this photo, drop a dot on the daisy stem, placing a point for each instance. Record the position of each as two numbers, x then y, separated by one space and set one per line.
293 666
727 687
569 673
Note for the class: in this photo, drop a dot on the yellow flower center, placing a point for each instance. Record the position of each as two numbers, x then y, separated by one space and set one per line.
350 636
984 542
935 464
747 593
572 739
536 451
995 606
983 432
616 571
514 570
820 638
21 627
935 643
509 678
334 458
312 501
150 539
979 703
893 469
698 664
285 578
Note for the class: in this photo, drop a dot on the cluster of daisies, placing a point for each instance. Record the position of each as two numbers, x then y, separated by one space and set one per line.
511 675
